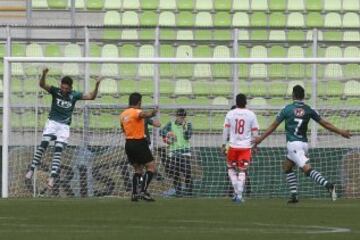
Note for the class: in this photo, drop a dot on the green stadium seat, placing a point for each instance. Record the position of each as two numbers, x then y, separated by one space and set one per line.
258 19
309 35
332 20
257 102
57 4
221 70
201 122
167 18
39 4
53 50
167 69
127 86
333 71
296 70
33 50
94 51
222 19
243 35
277 5
350 5
17 50
295 5
335 88
314 19
220 101
277 71
202 70
150 18
241 5
314 5
259 5
259 88
295 19
351 70
351 36
109 69
333 51
185 5
95 4
222 5
146 70
243 52
131 5
2 54
79 4
184 35
128 70
351 19
277 35
146 86
203 19
108 86
185 19
332 5
278 88
202 5
184 70
240 19
149 4
258 70
129 18
201 88
183 87
166 87
352 88
167 5
116 4
277 20
221 87
112 18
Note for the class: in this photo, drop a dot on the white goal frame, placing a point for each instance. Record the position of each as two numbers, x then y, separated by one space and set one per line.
87 60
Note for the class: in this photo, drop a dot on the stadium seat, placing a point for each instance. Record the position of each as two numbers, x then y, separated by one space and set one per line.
240 19
131 5
128 70
351 70
95 4
296 70
332 20
220 101
94 51
243 35
257 102
314 19
146 70
53 50
129 18
241 5
259 88
149 4
39 4
146 86
277 5
33 50
201 5
259 19
351 19
79 4
222 19
243 52
167 5
185 19
17 50
112 18
332 5
116 5
259 5
295 19
352 88
314 5
295 5
57 4
333 71
167 18
258 70
203 19
183 87
167 69
221 70
184 70
277 71
109 69
185 5
277 20
221 87
309 35
202 70
108 86
351 36
277 35
201 88
350 5
223 5
166 87
2 54
127 86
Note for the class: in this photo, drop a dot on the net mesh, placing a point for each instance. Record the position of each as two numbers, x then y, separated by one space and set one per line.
94 162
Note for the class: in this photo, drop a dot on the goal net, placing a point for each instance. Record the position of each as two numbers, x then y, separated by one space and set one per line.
94 162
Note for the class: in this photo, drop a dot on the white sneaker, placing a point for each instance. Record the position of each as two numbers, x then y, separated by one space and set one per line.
29 174
333 194
50 182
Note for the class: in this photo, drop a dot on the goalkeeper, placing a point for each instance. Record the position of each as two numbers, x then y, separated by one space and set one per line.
57 127
177 135
297 116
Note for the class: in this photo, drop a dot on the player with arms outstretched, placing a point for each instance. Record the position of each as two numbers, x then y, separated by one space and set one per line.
57 127
239 127
297 116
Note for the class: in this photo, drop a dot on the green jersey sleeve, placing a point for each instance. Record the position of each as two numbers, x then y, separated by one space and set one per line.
281 115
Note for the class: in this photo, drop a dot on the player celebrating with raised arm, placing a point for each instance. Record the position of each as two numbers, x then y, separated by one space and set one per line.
57 127
239 127
297 116
132 121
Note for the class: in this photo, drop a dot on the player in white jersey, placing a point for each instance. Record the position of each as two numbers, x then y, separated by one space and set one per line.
239 127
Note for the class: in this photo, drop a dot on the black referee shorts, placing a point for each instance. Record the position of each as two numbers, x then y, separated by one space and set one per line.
138 151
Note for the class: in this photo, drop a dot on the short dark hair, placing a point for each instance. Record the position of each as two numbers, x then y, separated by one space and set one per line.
233 107
181 112
134 98
67 80
298 92
241 100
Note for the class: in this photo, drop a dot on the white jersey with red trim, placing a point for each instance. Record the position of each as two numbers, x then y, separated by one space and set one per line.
241 122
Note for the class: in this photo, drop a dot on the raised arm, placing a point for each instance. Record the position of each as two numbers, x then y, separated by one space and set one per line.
92 95
42 82
269 130
149 114
332 128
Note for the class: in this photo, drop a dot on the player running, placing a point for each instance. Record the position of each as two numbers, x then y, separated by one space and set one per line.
239 127
297 116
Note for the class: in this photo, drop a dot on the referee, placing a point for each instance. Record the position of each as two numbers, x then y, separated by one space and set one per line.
132 121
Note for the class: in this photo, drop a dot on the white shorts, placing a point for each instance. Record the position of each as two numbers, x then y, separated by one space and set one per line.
297 152
60 130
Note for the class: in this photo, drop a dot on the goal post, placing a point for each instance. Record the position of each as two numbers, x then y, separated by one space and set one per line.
95 156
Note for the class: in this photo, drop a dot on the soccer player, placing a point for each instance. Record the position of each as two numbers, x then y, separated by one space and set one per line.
297 116
57 127
239 127
132 121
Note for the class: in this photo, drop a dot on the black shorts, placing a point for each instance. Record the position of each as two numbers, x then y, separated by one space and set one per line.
138 151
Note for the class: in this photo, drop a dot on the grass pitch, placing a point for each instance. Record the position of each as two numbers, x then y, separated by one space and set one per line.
178 219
